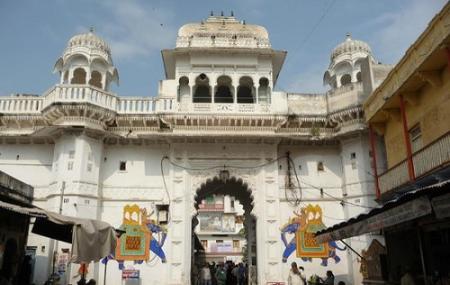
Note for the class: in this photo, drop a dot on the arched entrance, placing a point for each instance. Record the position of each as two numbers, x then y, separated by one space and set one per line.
217 221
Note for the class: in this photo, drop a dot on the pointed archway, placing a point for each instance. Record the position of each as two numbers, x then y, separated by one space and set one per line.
222 186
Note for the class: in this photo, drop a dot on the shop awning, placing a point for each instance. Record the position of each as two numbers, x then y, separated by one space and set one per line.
91 239
409 206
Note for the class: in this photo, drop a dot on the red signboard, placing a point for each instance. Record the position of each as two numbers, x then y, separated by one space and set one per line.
130 274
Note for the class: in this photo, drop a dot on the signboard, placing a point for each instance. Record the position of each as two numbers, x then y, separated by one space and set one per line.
441 206
130 274
224 247
397 215
63 260
216 222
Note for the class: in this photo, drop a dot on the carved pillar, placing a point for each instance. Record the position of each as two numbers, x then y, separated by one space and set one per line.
411 173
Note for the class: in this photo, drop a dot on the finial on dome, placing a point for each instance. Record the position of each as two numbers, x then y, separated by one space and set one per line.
221 13
348 36
91 29
232 13
211 13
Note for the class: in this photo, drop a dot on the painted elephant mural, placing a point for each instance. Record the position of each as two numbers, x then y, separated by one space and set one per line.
303 226
142 235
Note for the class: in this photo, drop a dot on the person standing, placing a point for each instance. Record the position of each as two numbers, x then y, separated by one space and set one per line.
241 274
205 275
407 278
294 275
302 274
221 275
329 280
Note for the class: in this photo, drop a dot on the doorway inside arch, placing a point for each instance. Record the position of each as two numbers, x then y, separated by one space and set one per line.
224 228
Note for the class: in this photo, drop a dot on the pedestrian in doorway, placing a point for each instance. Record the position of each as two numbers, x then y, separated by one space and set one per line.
294 275
302 274
221 275
241 274
206 275
329 279
407 278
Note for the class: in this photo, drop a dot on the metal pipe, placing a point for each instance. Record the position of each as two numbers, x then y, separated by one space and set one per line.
447 49
422 258
104 275
352 249
374 157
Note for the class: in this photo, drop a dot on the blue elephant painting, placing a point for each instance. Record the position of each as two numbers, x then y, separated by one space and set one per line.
303 226
142 236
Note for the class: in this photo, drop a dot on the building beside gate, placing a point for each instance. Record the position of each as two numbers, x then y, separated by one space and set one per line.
409 111
14 229
221 228
296 162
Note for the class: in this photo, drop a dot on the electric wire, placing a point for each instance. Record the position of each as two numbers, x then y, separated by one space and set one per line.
165 188
224 166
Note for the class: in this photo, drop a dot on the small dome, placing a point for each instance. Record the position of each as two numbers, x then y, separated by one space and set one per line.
223 31
350 46
89 40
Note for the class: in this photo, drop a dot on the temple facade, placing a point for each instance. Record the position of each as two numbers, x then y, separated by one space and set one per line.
296 162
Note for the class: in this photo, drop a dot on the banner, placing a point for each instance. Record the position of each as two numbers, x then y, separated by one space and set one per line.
397 215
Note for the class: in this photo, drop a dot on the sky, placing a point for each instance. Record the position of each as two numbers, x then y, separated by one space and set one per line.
34 33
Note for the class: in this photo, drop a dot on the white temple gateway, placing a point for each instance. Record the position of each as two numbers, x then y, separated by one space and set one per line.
216 126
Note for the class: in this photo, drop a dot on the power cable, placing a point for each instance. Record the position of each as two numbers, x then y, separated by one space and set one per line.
223 166
165 188
314 28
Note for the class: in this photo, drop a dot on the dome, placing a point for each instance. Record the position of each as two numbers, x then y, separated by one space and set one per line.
223 31
89 40
90 53
89 45
350 46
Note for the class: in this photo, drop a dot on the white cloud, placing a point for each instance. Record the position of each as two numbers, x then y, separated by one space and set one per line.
401 28
137 30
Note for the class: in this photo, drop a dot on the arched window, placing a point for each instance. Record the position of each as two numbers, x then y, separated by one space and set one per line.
358 76
346 79
183 89
246 91
223 90
79 76
264 90
202 90
96 79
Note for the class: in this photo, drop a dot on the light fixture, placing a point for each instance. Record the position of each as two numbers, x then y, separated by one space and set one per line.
224 175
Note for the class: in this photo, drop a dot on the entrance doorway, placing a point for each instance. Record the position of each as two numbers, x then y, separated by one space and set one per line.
224 228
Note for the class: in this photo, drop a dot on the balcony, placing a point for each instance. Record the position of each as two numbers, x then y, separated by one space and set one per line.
229 108
345 96
21 105
426 160
80 94
77 93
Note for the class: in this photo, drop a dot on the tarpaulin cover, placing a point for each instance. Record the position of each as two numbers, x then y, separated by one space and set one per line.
91 239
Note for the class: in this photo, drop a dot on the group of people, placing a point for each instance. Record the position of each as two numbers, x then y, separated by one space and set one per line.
227 273
297 276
